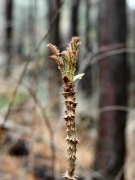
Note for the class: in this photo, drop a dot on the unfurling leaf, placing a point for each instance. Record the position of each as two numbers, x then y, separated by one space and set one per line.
54 49
79 76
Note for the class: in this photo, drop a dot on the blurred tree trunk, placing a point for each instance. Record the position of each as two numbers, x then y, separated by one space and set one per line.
74 18
87 28
86 83
54 38
134 27
110 149
8 35
31 19
133 35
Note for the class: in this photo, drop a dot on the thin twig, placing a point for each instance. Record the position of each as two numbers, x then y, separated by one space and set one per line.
115 108
111 53
32 93
35 89
46 119
93 58
119 174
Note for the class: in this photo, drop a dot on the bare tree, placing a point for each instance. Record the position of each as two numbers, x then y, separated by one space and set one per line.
8 35
87 28
110 149
86 83
54 38
74 18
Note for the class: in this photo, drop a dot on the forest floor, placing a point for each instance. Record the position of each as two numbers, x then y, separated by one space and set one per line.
28 153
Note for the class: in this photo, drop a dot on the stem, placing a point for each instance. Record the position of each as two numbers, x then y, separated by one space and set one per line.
69 95
67 64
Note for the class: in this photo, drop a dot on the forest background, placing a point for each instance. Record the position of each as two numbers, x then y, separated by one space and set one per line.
32 130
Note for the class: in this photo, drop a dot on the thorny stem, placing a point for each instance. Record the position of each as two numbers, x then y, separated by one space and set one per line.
69 95
67 64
